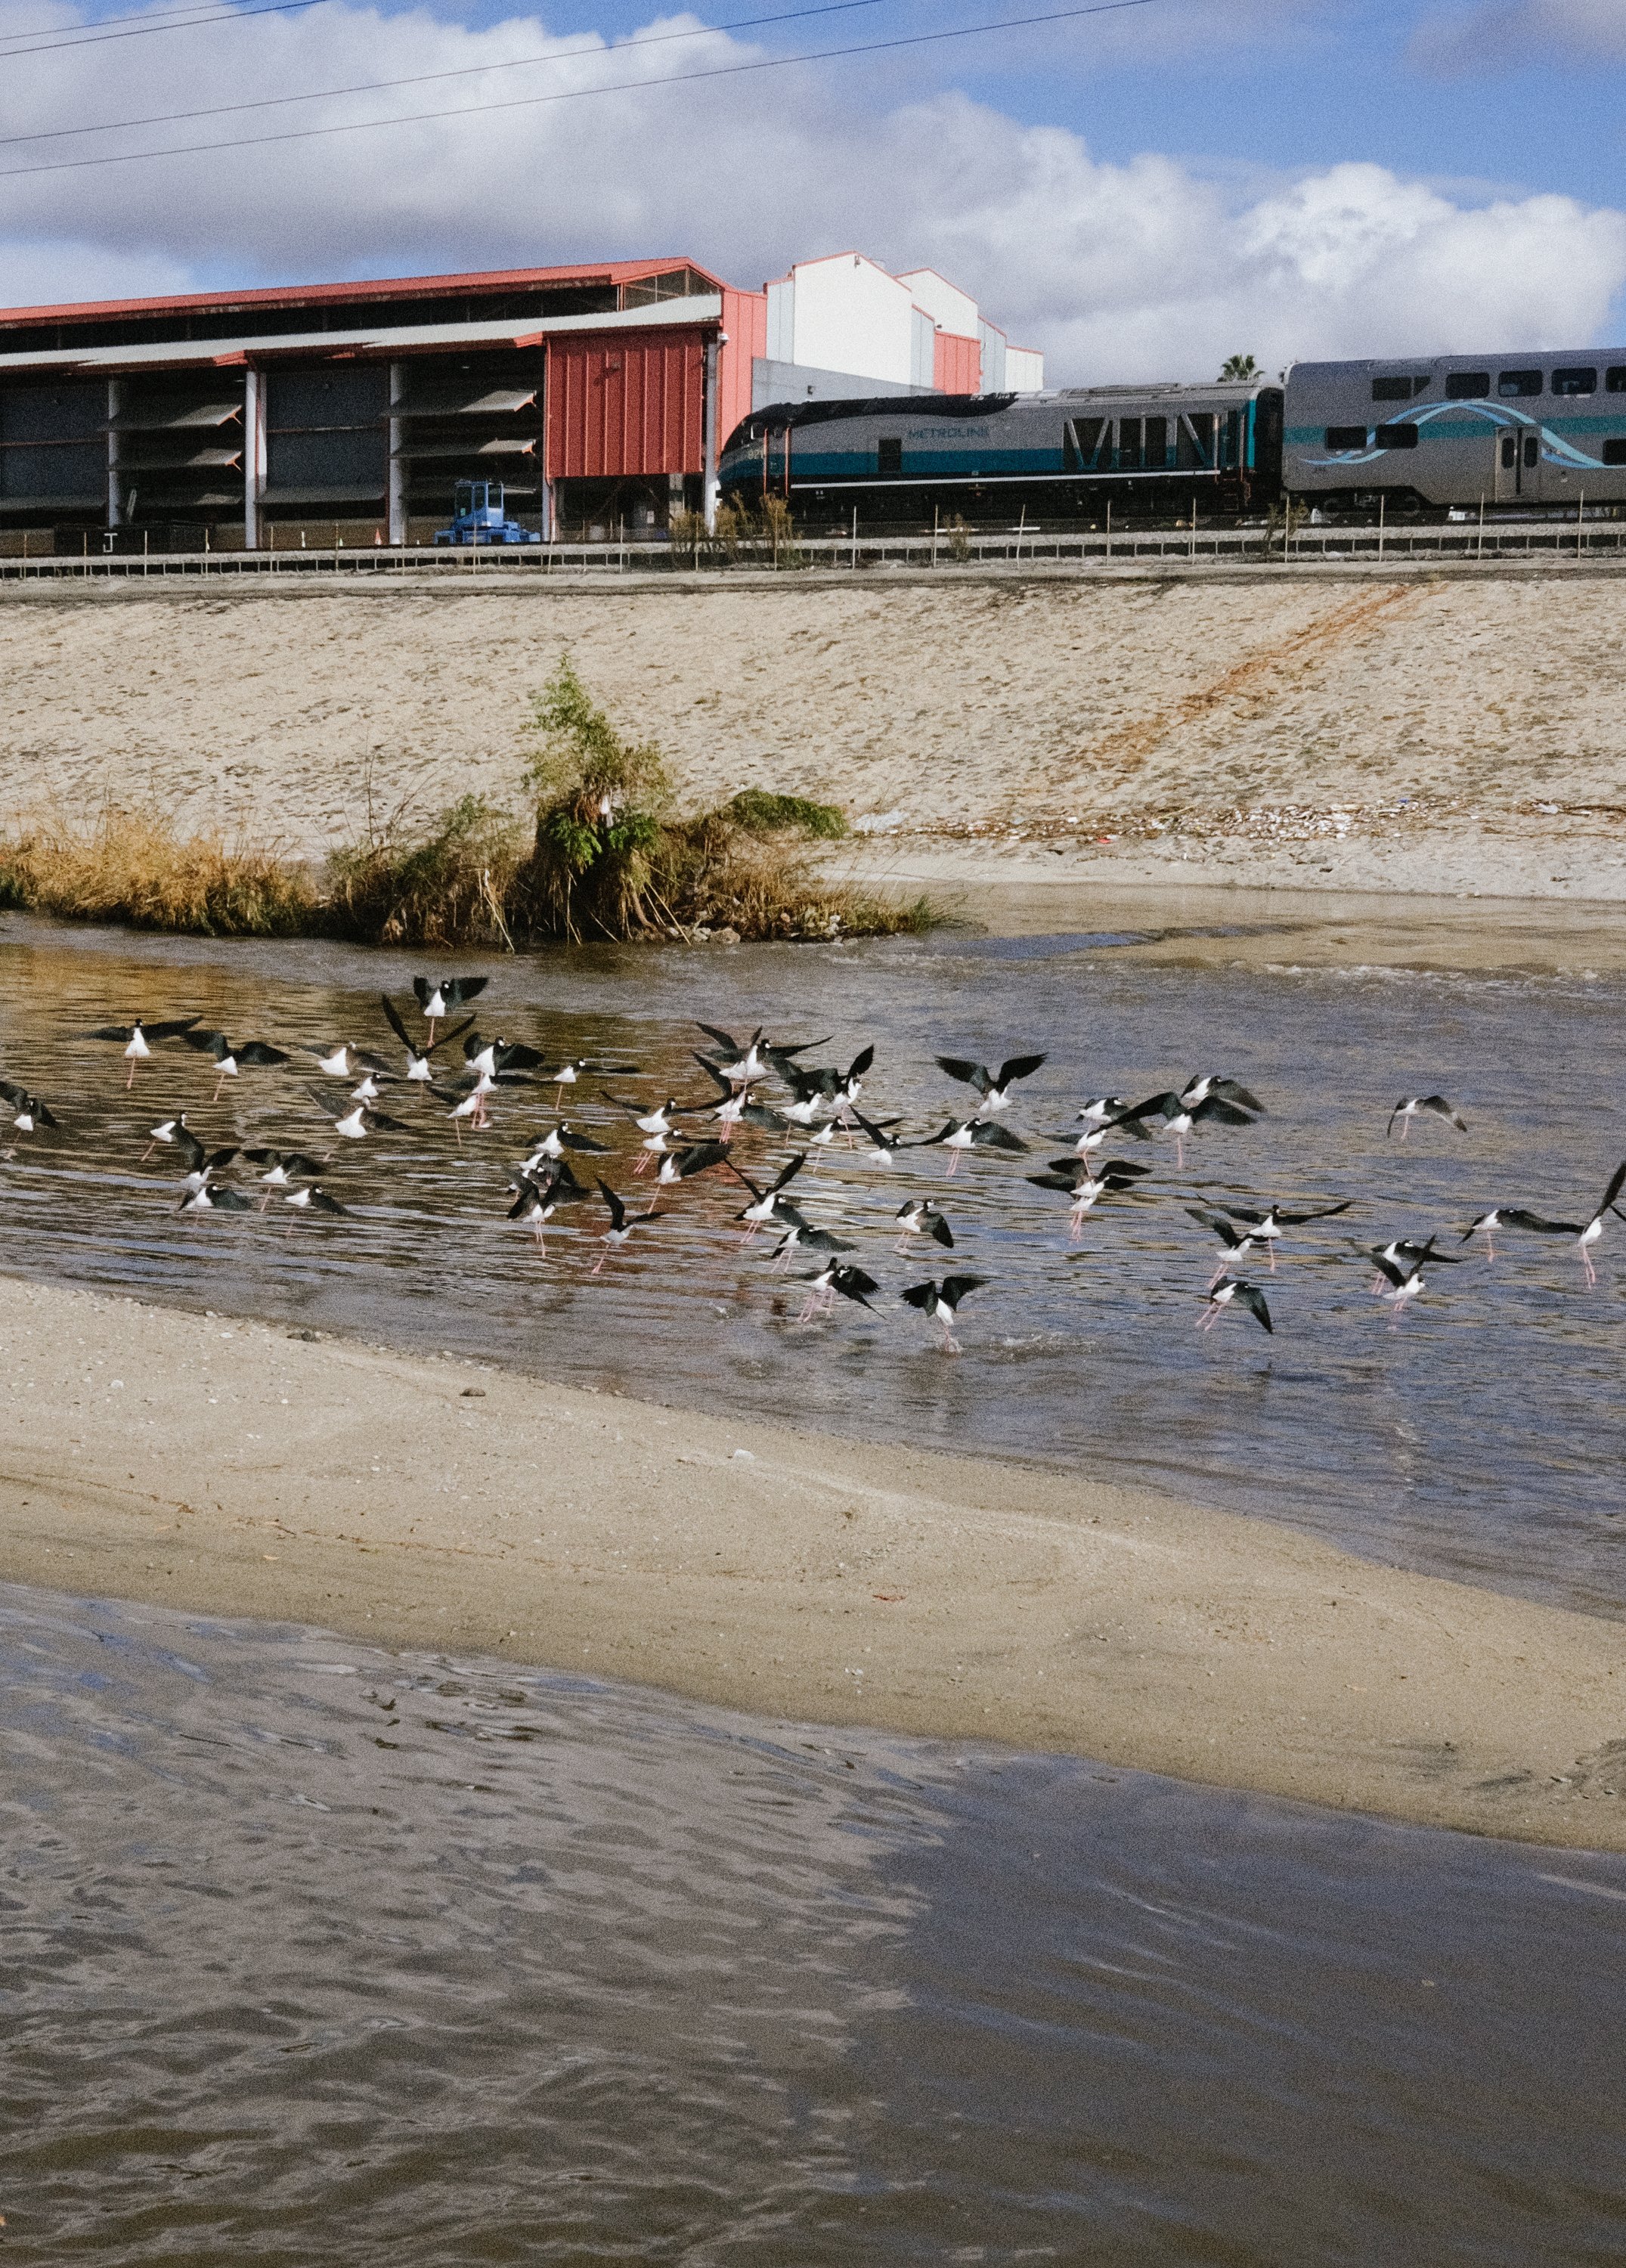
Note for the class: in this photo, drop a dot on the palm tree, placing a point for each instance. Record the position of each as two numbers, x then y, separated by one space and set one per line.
1238 368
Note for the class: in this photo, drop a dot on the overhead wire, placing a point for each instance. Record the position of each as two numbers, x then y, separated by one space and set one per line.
577 93
188 19
426 78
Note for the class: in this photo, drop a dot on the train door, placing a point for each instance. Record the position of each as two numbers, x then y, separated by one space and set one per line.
1519 465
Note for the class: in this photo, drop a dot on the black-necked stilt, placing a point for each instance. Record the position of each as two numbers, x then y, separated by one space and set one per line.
1407 1109
314 1198
557 1140
826 1283
1100 1108
283 1169
166 1130
1586 1233
940 1303
541 1197
579 1067
211 1197
357 1119
420 1062
138 1040
993 1087
346 1062
228 1058
1486 1225
1086 1186
729 1112
964 1134
1228 1090
1235 1243
1404 1279
884 1145
742 1066
621 1223
199 1162
769 1204
921 1217
1268 1227
800 1235
492 1058
1229 1288
1180 1118
683 1165
1405 1254
440 996
27 1109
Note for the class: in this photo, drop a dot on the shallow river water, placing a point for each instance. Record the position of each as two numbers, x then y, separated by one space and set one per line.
1483 1437
311 1952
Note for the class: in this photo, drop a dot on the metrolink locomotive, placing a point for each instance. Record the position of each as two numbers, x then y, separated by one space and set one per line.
1422 436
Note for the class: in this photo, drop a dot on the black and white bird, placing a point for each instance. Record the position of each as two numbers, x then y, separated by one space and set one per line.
742 1066
883 1144
1229 1090
735 1099
491 1059
940 1303
1270 1226
357 1119
622 1223
1403 1280
166 1130
921 1217
1405 1254
283 1169
1235 1243
557 1140
312 1198
346 1062
960 1135
1410 1105
825 1284
800 1235
138 1039
539 1197
420 1060
27 1111
768 1205
993 1087
213 1197
440 996
199 1163
1486 1225
1180 1118
1234 1290
1100 1108
228 1056
1086 1186
1586 1233
694 1158
567 1074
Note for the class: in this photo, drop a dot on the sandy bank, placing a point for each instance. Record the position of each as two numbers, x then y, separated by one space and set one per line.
226 1467
1406 731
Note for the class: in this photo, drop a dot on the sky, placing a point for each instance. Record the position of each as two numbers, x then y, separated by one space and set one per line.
1139 190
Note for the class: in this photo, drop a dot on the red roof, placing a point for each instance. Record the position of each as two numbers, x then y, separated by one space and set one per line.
402 287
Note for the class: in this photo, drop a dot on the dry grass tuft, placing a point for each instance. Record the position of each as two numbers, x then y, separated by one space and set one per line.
139 869
453 883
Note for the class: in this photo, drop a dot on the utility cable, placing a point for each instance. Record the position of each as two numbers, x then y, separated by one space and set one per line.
186 20
578 93
426 78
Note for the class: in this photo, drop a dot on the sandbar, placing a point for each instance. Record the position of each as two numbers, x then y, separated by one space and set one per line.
228 1466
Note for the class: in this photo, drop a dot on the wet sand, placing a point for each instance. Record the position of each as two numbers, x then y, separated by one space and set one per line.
226 1467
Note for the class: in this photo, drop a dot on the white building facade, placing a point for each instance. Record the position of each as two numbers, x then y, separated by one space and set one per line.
842 325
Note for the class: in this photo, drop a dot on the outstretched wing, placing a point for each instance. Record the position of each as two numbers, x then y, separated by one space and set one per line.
701 1155
1538 1226
938 1228
956 1288
789 1173
968 1074
1254 1300
1167 1105
207 1044
923 1296
1226 1113
724 1039
392 1017
997 1138
861 1063
1321 1212
1230 1090
1016 1067
1617 1182
618 1211
574 1141
725 1087
854 1284
261 1051
1441 1108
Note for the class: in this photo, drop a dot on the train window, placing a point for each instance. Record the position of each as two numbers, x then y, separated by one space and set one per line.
1575 381
1157 445
1128 445
1348 436
1510 452
1467 385
1614 378
889 453
1515 384
1397 437
1398 389
1615 451
1087 434
1194 441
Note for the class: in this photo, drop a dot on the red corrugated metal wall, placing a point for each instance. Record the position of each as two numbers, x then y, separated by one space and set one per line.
744 322
618 405
956 364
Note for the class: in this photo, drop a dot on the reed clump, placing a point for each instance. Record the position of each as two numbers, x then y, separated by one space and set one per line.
140 869
451 882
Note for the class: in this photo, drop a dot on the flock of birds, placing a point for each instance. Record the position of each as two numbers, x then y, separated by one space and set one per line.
770 1088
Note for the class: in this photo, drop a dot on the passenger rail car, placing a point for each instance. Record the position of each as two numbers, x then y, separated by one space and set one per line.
1148 449
1530 431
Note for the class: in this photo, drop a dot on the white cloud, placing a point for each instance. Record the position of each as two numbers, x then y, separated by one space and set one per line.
1131 269
1493 35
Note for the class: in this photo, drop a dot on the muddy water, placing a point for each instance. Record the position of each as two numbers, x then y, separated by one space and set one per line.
1482 1437
313 1953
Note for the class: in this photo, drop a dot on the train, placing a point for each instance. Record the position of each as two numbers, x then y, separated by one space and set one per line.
1415 437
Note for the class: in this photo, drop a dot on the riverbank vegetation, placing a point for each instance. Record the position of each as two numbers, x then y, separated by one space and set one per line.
595 846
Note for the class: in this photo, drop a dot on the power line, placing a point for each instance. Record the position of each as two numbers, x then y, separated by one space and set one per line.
577 93
187 20
424 78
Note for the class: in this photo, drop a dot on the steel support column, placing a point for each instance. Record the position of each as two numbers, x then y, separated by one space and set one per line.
397 467
253 455
116 501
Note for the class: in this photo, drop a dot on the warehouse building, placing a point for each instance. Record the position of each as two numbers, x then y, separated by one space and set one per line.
600 396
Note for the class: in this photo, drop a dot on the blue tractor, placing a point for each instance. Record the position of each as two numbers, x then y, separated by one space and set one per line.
480 516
